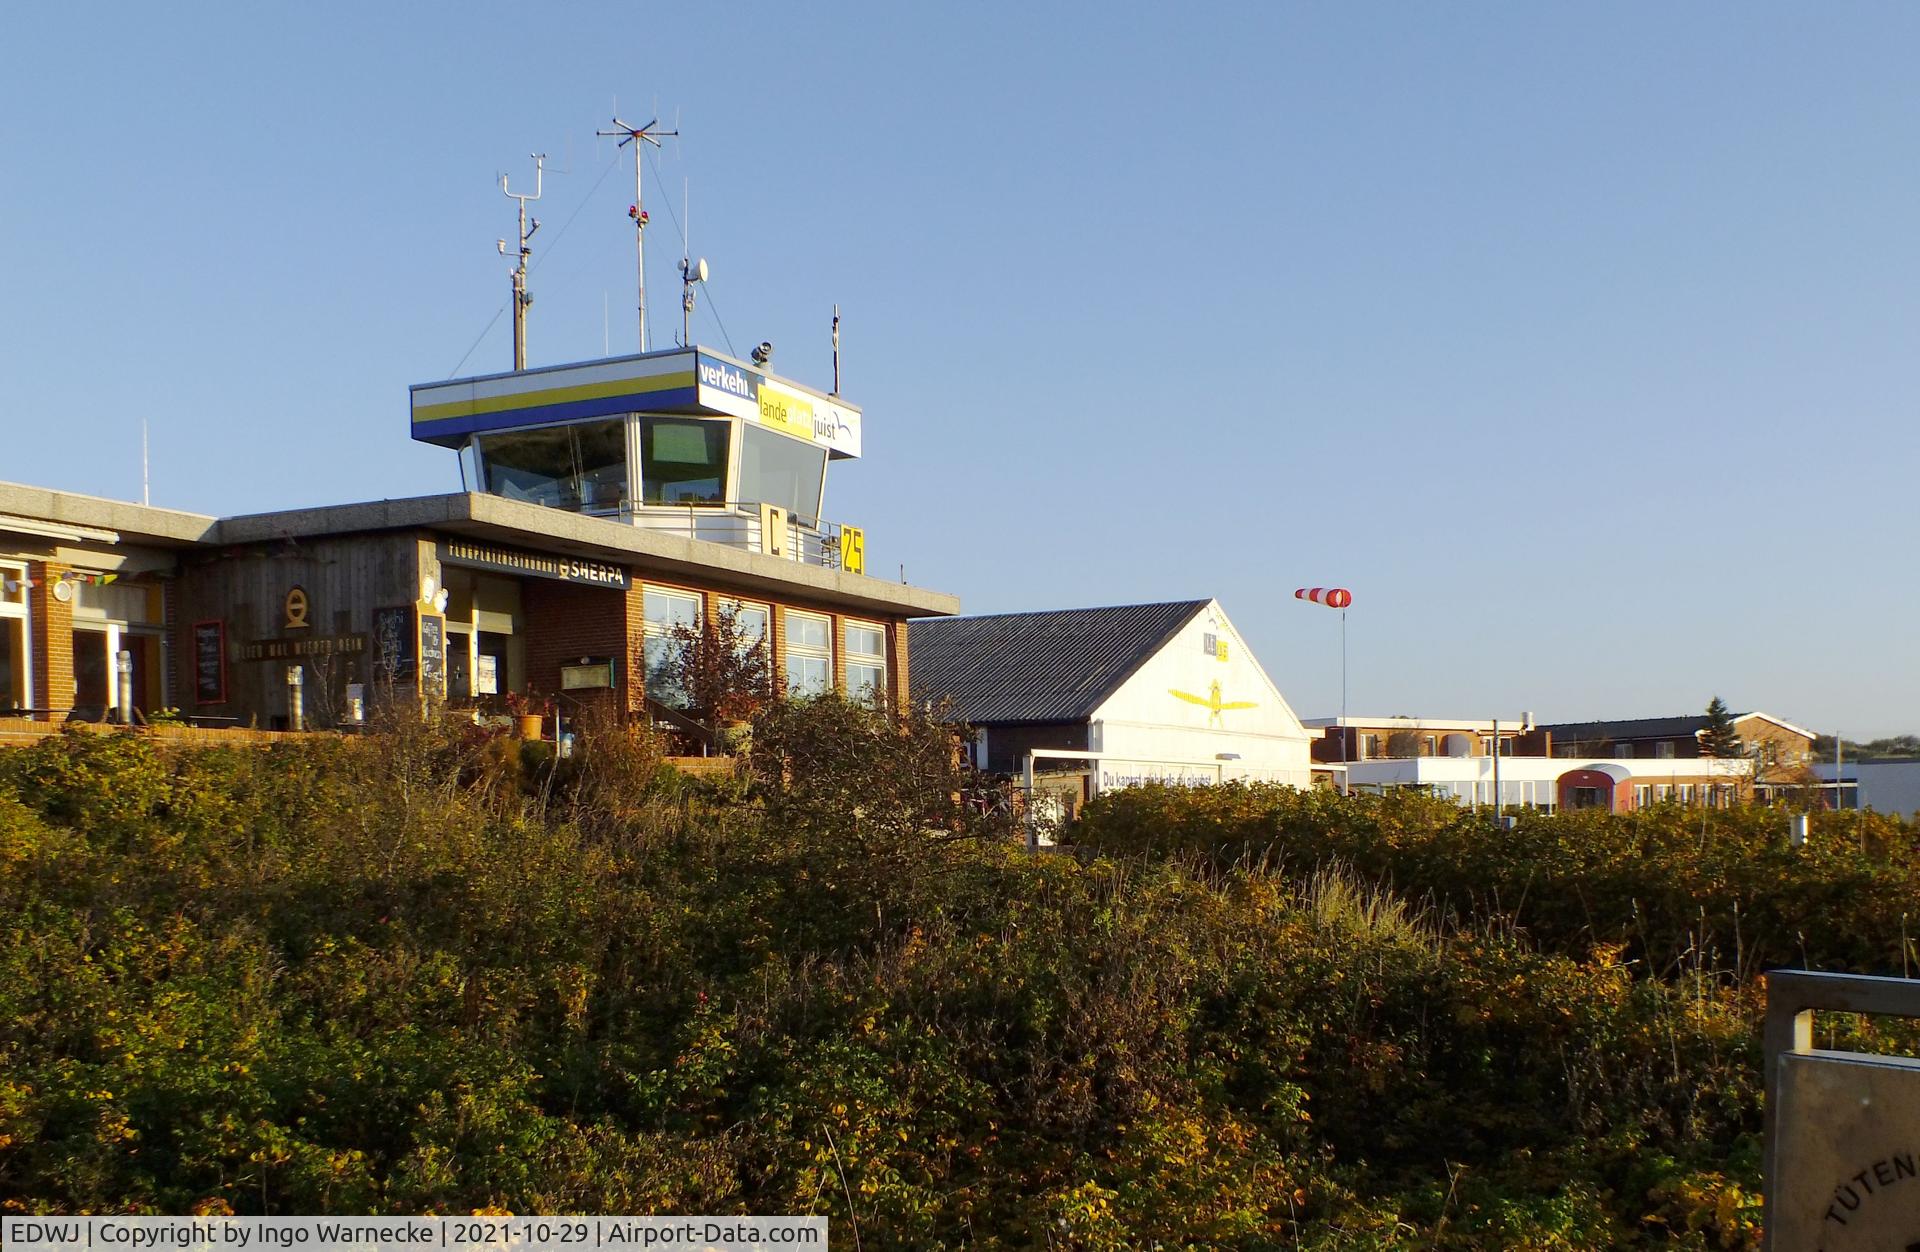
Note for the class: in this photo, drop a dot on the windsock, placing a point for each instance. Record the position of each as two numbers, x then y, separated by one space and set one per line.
1332 597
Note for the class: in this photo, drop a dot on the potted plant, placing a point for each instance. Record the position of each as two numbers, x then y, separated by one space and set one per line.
529 713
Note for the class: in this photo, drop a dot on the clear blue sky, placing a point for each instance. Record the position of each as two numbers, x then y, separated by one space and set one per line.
1579 341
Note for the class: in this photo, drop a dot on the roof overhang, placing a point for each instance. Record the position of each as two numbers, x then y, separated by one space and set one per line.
64 516
519 524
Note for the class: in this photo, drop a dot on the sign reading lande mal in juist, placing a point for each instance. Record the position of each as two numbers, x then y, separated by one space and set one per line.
825 420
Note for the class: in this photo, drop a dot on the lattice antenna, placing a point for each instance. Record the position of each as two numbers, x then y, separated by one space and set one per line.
639 137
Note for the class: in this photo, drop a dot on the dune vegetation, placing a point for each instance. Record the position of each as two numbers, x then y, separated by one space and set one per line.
429 970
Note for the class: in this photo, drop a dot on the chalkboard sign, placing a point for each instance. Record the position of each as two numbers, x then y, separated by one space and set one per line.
433 654
210 662
393 644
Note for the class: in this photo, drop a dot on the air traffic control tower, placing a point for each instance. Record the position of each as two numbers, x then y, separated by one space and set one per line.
689 441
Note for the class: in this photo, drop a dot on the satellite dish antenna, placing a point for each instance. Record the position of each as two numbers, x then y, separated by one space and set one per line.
700 270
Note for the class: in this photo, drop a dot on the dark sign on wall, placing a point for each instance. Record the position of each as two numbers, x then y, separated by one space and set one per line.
433 653
568 569
393 644
210 662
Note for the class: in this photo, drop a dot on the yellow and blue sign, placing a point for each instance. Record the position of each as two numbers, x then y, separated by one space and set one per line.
689 381
446 413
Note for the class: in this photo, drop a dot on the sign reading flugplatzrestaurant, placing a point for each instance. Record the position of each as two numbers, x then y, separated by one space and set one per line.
566 569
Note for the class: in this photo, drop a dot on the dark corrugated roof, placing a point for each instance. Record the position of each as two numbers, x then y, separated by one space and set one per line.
1631 728
1053 666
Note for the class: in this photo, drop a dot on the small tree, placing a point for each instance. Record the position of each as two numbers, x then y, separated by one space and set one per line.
1720 739
724 671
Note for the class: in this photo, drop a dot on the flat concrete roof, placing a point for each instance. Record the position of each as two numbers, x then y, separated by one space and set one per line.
554 530
130 522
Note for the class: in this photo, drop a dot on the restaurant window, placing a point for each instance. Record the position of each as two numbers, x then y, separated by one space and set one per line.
664 611
683 460
777 469
751 624
809 654
14 693
749 621
866 646
580 467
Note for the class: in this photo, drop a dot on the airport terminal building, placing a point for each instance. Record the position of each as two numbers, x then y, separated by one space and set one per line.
605 504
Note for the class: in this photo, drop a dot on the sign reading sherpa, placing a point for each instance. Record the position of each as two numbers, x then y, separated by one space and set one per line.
1843 1134
532 564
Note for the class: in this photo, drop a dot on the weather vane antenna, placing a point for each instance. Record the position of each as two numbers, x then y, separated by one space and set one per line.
520 297
639 137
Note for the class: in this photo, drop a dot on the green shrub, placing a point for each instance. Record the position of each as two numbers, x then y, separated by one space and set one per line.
416 971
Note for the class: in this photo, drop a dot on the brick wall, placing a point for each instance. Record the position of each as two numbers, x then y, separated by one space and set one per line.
52 631
902 691
565 622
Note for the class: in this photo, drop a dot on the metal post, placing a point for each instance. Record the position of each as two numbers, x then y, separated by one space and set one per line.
1033 832
1496 772
520 297
639 137
640 240
1344 730
296 709
519 274
123 667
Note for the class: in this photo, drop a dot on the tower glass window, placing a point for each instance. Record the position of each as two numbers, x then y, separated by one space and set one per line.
580 467
683 460
776 469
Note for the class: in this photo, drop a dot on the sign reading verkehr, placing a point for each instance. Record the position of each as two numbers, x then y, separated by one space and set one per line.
411 1234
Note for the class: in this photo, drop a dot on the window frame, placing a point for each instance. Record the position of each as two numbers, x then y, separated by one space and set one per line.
20 610
875 690
806 652
652 632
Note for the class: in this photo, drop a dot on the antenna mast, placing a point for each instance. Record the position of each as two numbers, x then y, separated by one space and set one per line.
639 137
691 272
520 297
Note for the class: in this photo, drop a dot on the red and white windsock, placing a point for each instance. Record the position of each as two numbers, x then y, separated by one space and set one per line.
1332 597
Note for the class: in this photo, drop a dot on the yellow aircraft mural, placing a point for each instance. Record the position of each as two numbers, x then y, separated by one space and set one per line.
1212 702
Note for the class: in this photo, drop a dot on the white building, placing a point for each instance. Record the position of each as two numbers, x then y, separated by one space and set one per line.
1108 697
1549 782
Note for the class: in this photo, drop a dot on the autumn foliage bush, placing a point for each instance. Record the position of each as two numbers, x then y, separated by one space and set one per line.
412 973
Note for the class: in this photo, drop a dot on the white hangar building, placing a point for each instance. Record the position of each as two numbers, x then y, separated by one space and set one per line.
1113 696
